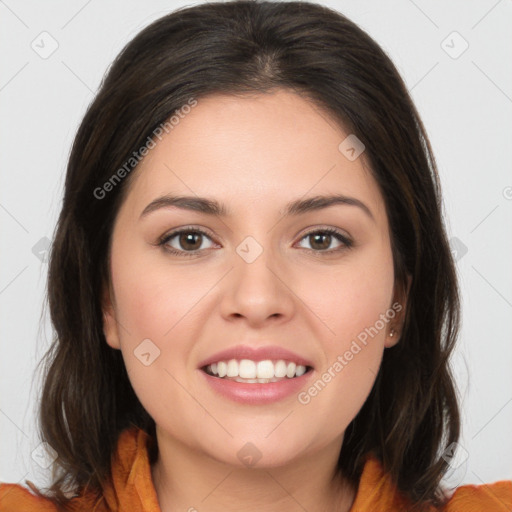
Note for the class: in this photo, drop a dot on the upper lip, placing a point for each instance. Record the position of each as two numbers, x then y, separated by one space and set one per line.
272 352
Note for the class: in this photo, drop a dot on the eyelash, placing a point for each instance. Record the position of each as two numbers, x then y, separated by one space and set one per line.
347 243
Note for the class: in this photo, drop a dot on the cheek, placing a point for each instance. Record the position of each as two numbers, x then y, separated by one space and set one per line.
354 301
157 307
153 297
350 296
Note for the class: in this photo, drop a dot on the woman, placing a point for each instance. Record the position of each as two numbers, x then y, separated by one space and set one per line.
253 296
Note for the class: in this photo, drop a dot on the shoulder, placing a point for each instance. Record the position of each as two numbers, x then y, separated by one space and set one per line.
131 454
495 497
377 492
17 498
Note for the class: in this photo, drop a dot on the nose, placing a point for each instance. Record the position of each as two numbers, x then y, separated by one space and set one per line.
257 292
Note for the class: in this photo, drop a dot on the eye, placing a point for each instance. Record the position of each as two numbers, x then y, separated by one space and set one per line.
321 239
189 241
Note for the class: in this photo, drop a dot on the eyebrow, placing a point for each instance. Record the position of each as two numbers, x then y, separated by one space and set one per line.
213 207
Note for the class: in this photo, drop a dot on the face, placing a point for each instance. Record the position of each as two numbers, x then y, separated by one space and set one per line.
317 283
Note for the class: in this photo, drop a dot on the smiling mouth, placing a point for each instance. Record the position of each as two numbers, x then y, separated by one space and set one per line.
256 372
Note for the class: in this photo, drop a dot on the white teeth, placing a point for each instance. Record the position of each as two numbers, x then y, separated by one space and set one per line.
290 371
249 381
247 369
222 368
265 369
300 370
232 368
253 381
280 369
250 371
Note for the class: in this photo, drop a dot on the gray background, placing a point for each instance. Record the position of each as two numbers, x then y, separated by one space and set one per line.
463 95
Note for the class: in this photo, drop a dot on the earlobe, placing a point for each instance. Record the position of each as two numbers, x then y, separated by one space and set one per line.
392 338
395 328
110 329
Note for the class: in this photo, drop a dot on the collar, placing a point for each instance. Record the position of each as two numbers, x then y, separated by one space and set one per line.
133 487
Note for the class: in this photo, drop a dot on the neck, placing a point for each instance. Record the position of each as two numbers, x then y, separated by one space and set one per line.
189 480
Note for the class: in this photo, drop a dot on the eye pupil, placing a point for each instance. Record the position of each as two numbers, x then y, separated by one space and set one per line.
189 238
325 236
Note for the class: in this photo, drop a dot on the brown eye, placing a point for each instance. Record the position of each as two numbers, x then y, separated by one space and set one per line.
190 240
321 240
185 242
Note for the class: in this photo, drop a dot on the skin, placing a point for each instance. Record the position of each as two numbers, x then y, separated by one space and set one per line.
254 154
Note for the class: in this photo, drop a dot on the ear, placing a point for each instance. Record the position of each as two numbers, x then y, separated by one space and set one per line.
399 305
110 329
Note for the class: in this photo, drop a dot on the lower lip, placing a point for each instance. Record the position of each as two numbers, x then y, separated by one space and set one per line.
257 393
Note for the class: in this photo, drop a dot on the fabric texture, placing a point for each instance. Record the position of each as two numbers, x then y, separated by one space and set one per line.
133 489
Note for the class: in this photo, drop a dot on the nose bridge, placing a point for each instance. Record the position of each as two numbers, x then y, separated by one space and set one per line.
253 264
256 290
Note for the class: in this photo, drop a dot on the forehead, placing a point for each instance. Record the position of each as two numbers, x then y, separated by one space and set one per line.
264 150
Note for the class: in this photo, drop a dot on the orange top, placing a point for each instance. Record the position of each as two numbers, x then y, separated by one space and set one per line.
133 489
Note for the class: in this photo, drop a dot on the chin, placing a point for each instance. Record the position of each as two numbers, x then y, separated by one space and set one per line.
257 451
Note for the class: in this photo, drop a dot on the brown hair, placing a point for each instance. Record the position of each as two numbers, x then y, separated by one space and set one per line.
240 47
